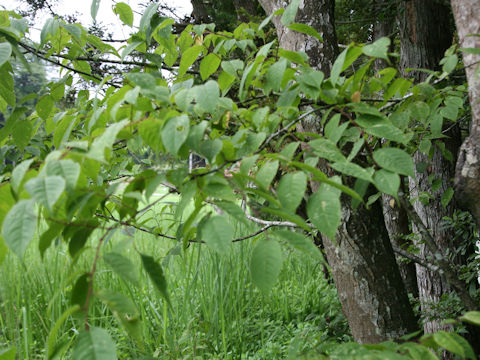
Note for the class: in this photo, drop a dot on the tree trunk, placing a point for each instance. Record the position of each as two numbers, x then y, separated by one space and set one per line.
368 282
425 32
467 176
396 219
199 12
245 9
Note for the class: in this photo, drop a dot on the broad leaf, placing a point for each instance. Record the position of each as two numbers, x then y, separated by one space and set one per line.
288 16
291 189
124 12
472 317
266 173
395 160
301 243
94 8
80 290
5 52
209 65
122 266
188 58
175 132
46 191
105 141
378 49
67 169
387 182
19 173
217 232
94 344
305 29
19 226
44 106
324 210
8 354
155 272
266 263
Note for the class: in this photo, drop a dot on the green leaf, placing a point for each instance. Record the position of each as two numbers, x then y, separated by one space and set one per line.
305 29
447 341
210 149
291 189
447 196
378 49
94 344
338 67
301 243
266 263
324 210
387 182
80 290
419 352
122 266
217 232
53 334
389 132
8 354
274 75
351 169
147 16
155 272
94 8
327 150
288 16
46 191
105 141
18 174
175 132
395 160
266 173
67 169
209 65
188 58
5 52
19 226
471 317
125 12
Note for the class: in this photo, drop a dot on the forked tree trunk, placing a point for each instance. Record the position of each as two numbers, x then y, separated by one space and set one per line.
366 275
425 31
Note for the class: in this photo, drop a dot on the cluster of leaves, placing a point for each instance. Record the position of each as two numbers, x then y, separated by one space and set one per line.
240 106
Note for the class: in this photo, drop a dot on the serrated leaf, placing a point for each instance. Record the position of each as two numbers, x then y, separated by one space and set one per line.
46 191
291 189
266 173
324 210
266 263
387 182
124 12
217 232
302 243
94 344
290 12
122 266
175 132
19 173
5 52
209 65
395 160
67 169
19 226
378 49
188 58
155 272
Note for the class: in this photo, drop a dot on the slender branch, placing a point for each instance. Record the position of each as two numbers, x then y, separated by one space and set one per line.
442 262
417 260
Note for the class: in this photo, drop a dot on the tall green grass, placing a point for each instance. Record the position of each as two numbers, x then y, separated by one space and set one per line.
216 311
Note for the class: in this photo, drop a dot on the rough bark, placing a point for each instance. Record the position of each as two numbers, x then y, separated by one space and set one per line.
199 12
396 219
368 282
425 30
467 176
246 9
